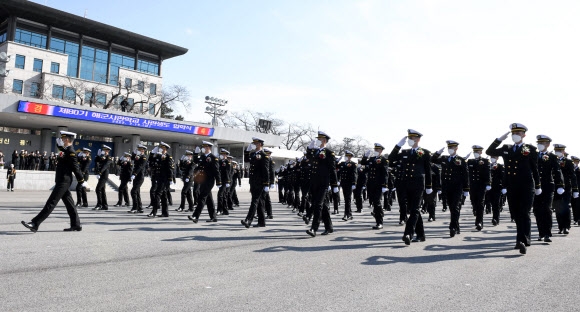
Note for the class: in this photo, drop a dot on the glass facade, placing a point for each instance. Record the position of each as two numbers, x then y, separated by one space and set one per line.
89 97
71 49
17 86
57 92
19 62
30 38
94 64
151 109
119 61
54 67
37 67
148 67
70 95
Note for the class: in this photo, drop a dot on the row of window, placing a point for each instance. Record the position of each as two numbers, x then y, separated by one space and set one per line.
94 61
85 73
3 37
70 95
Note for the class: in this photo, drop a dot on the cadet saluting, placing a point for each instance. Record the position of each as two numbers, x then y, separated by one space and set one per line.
479 183
259 181
207 175
521 162
66 166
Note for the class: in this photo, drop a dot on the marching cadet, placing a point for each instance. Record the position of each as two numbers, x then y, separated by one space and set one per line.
431 199
125 170
550 178
361 184
153 173
137 177
454 182
348 177
305 171
377 181
233 200
479 183
226 177
290 180
66 166
415 178
10 176
267 200
186 166
335 197
102 165
522 179
84 159
389 194
576 201
497 176
323 178
259 181
296 185
281 185
165 164
403 217
562 201
207 175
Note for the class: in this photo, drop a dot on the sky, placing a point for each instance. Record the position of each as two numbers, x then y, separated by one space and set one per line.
450 69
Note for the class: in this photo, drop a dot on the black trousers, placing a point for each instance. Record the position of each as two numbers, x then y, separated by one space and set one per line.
233 197
320 207
402 200
196 187
161 198
412 194
477 197
430 204
576 208
358 199
336 200
562 207
268 204
257 204
494 198
152 191
222 206
289 194
305 200
375 196
123 192
187 194
82 192
453 197
347 193
296 203
10 184
100 190
520 200
205 197
280 192
60 191
542 209
136 193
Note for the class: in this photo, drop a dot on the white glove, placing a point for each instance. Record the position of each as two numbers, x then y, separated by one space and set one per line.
465 194
339 159
186 180
99 152
487 188
364 187
466 157
266 189
440 151
538 191
439 192
503 191
394 189
503 137
170 182
329 187
384 189
197 150
428 191
272 186
335 189
575 194
59 142
98 177
155 150
249 148
560 191
368 153
132 177
85 184
354 187
227 185
402 142
338 183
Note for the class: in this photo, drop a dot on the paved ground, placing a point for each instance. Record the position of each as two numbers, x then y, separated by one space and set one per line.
125 262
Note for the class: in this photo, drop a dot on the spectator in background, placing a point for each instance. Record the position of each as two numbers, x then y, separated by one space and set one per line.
124 105
1 160
15 160
45 161
10 176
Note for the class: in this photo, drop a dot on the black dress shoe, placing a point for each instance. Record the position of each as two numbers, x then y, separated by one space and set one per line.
72 229
494 222
306 220
151 215
179 209
566 231
211 220
96 208
547 239
349 218
444 209
401 222
300 214
270 217
418 239
311 233
407 240
140 211
452 233
522 248
85 206
132 211
429 220
246 224
326 232
117 205
345 218
560 232
388 208
478 227
540 239
190 209
258 225
192 219
378 227
30 225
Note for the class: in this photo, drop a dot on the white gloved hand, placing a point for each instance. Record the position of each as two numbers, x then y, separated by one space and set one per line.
338 183
329 187
560 191
85 184
384 189
335 189
504 136
367 153
311 145
99 152
440 151
186 180
438 192
249 148
364 187
266 189
170 182
98 177
197 150
487 188
354 187
402 142
272 186
59 142
155 150
465 194
132 177
227 185
394 189
466 157
575 194
428 191
538 191
503 191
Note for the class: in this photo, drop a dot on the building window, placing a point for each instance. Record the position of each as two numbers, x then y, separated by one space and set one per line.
101 98
94 64
119 61
17 86
151 109
54 68
57 92
141 108
30 38
20 60
128 82
153 89
131 103
70 95
2 37
35 89
71 49
89 97
141 86
37 67
148 67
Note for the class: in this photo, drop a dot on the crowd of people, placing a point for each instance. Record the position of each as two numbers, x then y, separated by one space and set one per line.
530 179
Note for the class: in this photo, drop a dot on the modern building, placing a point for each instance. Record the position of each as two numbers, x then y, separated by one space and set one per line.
62 71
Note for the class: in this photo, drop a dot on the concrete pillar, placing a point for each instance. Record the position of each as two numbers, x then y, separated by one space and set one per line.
216 148
118 141
46 140
174 151
135 140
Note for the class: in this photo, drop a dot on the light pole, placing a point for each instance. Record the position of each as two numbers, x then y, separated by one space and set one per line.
214 109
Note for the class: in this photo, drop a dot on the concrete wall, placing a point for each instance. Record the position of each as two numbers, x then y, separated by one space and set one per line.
29 180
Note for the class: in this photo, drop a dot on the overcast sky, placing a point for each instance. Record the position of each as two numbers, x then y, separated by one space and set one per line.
461 70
